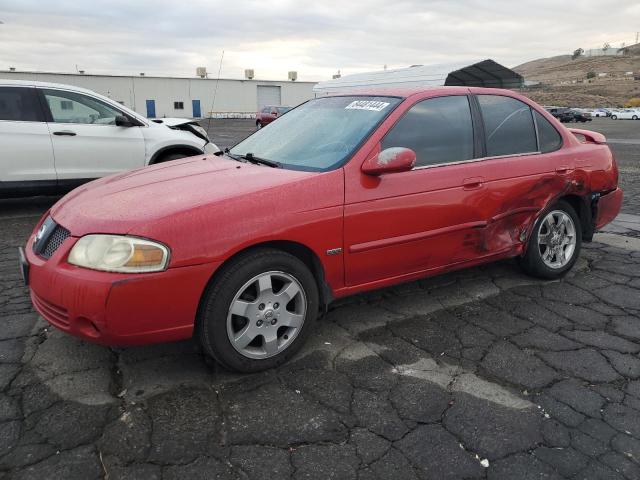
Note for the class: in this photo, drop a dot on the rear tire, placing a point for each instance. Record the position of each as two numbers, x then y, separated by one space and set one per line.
635 117
259 311
258 125
554 244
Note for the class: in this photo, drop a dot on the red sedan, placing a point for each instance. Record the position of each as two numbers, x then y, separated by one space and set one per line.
268 114
343 194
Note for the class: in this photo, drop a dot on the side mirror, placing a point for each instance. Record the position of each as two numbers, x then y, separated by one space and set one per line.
274 113
122 121
389 160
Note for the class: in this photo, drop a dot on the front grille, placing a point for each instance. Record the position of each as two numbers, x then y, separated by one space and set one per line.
58 236
53 313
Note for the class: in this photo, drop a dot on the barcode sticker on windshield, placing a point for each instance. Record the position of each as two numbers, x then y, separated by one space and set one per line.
372 105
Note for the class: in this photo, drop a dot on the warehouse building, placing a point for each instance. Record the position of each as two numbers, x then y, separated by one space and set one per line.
181 97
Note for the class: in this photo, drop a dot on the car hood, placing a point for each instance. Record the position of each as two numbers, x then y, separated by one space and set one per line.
122 203
172 122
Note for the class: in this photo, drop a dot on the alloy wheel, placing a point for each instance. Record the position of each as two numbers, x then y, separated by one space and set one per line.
266 315
557 239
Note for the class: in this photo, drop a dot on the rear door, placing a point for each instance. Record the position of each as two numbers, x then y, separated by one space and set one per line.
86 141
399 224
522 149
26 151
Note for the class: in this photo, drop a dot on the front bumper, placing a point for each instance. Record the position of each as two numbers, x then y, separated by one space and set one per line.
113 308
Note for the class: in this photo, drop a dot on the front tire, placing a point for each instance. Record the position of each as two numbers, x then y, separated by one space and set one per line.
554 244
258 125
614 117
635 117
259 311
171 156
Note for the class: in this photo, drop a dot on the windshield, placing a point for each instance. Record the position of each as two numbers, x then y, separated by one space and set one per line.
320 134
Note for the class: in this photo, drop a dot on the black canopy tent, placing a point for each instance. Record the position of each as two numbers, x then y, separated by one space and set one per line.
486 73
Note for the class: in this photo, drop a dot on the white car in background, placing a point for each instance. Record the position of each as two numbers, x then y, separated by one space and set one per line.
55 137
626 114
597 112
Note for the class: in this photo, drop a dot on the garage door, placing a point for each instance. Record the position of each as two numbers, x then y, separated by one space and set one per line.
268 95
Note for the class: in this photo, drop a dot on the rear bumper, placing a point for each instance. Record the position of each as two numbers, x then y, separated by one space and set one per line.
608 208
116 309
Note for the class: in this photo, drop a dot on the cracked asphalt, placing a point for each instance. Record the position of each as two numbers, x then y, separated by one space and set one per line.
483 373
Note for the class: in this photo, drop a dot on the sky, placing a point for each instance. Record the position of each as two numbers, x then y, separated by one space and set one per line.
316 39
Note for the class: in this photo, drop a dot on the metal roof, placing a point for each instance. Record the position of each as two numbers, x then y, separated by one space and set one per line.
484 73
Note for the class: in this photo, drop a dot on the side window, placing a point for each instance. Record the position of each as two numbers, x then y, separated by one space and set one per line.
71 107
178 105
439 130
548 137
508 126
19 104
266 109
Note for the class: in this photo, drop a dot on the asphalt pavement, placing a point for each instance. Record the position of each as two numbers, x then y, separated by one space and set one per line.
483 373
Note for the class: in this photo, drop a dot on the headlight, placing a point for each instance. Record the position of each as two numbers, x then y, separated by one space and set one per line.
115 253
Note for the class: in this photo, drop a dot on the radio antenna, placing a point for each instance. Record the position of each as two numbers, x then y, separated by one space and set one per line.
215 92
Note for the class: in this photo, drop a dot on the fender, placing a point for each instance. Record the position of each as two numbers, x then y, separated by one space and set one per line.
181 147
586 213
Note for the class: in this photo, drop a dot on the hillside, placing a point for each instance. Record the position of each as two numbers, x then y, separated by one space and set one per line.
564 81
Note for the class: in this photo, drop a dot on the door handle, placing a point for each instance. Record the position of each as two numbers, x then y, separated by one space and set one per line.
472 183
562 169
63 133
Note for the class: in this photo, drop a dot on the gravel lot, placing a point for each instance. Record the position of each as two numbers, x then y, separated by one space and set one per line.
485 373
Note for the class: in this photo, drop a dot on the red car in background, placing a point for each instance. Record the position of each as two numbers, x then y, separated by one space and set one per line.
268 114
344 194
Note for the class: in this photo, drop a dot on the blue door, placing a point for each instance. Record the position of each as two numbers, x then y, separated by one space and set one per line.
151 109
196 108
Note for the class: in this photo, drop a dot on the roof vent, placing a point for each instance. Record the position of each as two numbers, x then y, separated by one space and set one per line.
249 74
81 72
142 74
201 72
293 76
12 69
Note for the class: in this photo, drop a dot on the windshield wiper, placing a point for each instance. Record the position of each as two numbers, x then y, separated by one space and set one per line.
237 158
253 159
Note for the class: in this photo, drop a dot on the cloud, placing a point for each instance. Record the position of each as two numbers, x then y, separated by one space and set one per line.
169 38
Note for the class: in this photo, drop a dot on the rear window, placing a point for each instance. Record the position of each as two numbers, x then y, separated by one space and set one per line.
19 104
508 125
548 137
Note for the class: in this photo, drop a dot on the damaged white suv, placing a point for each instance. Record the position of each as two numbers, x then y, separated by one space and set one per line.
55 137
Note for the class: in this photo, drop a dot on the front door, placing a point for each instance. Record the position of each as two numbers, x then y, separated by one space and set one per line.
86 141
404 223
26 151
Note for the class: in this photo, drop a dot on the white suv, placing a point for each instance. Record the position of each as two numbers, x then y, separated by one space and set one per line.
55 137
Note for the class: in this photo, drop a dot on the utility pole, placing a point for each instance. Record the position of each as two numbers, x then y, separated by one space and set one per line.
636 35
